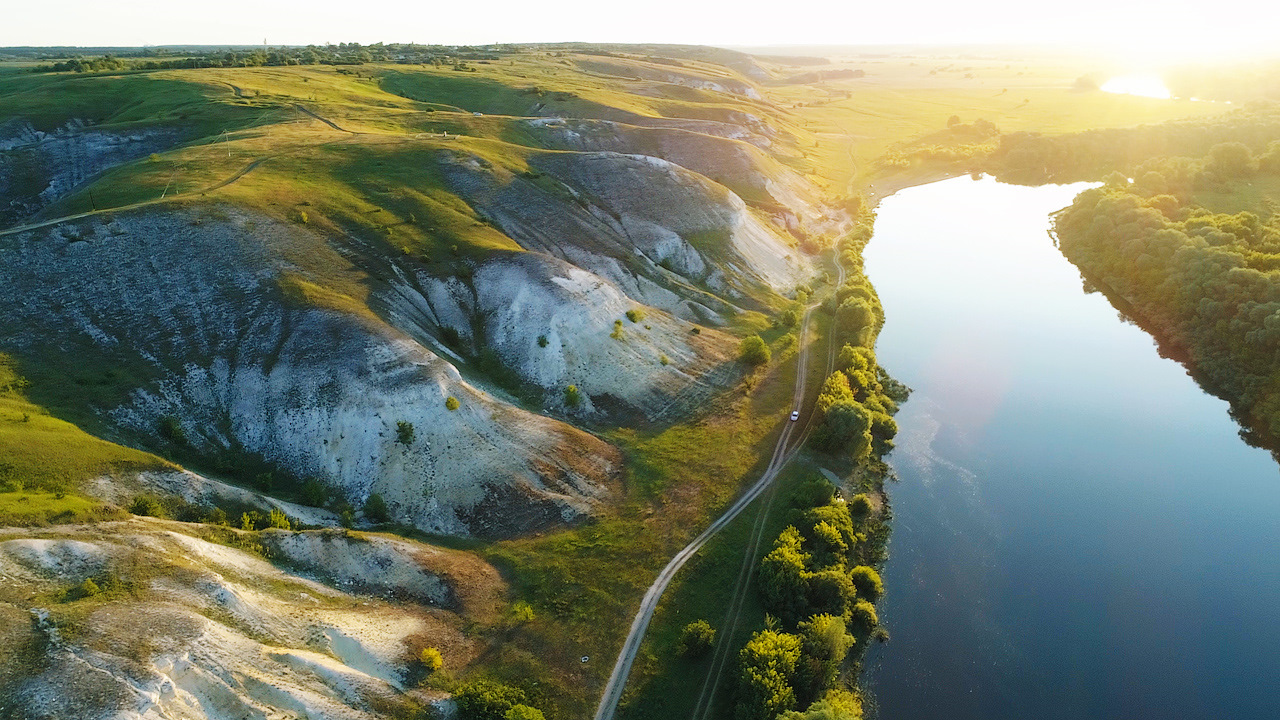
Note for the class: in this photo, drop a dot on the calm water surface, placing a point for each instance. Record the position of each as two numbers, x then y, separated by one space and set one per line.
1079 531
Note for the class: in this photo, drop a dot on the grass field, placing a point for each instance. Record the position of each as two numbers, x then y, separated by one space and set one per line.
41 452
1259 195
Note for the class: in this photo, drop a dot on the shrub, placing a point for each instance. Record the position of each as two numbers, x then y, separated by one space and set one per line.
216 516
405 432
451 403
813 493
522 612
868 582
88 588
147 505
542 341
431 659
635 315
787 319
617 330
375 508
171 430
279 520
860 505
754 351
664 359
696 639
250 520
315 493
572 396
302 217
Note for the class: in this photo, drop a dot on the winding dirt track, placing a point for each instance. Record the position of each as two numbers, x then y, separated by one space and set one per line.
728 628
783 452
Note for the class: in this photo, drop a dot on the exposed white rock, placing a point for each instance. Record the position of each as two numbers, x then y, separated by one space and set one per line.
197 309
227 635
557 325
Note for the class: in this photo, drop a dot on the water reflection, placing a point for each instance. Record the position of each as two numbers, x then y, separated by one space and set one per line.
1079 531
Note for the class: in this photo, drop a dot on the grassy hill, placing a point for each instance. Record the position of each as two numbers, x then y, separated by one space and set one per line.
312 261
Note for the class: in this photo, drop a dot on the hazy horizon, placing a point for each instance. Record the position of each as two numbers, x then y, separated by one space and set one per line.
1126 29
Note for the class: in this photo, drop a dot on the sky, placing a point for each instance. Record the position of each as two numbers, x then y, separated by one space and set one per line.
1136 27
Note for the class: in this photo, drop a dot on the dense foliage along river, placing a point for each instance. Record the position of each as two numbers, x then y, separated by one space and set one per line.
1079 532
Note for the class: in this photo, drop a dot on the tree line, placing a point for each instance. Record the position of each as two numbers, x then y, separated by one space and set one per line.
818 583
340 54
858 400
1032 158
1205 284
819 588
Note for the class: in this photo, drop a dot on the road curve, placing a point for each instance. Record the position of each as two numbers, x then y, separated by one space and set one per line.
781 454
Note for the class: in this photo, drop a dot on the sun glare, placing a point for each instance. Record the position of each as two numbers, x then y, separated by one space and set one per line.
1144 85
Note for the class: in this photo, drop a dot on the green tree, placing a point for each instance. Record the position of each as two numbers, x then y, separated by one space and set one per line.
863 617
148 506
855 357
868 582
487 700
1269 161
856 317
783 588
827 545
835 705
523 712
216 516
1230 160
825 643
375 508
696 639
835 515
789 317
835 389
278 519
767 669
846 427
522 612
315 493
753 350
830 591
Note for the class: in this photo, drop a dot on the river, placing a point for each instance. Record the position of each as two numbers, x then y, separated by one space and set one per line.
1079 532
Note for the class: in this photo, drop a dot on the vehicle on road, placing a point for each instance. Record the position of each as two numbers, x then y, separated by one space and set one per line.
795 415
